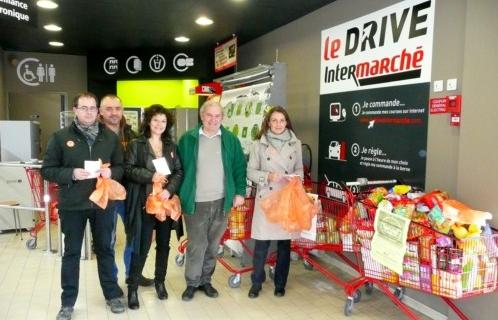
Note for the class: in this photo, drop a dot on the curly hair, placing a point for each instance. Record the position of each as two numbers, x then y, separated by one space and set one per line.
151 112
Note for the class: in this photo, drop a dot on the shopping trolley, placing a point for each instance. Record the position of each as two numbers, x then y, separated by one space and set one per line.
434 263
335 233
36 184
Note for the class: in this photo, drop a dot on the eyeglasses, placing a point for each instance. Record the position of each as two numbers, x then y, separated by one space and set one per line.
87 109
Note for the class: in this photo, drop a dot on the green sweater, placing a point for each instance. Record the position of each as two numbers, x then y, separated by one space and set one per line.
234 166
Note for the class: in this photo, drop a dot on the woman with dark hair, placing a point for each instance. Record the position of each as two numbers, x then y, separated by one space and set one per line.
155 142
275 156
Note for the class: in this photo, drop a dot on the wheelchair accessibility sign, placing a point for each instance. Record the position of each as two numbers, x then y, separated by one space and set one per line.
32 72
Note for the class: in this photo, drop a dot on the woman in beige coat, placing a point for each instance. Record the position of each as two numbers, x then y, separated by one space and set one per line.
275 156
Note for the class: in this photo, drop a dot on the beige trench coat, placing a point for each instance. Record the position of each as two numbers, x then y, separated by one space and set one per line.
264 159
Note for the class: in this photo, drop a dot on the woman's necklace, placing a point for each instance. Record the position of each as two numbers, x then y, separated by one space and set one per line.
157 147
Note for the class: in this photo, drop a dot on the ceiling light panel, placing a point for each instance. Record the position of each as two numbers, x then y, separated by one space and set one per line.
47 4
204 21
52 27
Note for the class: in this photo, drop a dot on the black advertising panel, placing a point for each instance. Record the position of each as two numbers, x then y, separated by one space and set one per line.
148 64
376 134
374 90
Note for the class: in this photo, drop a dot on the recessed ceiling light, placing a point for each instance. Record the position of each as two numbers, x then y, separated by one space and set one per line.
182 39
56 44
52 27
47 4
204 21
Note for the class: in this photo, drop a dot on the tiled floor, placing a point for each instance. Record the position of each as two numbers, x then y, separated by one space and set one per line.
30 289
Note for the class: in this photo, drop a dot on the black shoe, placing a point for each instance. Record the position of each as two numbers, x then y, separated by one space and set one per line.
133 299
162 294
279 292
209 290
188 294
145 282
254 291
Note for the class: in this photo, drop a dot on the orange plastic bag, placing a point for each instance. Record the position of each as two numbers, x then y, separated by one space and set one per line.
290 207
107 189
162 209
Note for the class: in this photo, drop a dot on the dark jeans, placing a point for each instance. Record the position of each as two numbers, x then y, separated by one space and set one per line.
204 230
163 234
73 225
282 267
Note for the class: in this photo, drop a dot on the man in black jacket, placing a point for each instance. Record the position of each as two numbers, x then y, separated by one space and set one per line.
111 114
64 163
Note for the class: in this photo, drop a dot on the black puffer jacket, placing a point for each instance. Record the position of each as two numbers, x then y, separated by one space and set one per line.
139 171
68 149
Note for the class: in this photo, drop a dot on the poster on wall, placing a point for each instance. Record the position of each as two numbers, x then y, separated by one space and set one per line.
244 110
225 55
133 116
374 92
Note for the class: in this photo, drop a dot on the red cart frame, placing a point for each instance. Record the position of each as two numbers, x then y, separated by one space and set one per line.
456 270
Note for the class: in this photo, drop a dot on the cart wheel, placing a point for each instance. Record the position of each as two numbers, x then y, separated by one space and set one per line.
180 260
369 288
221 251
271 272
348 307
294 256
234 281
307 265
31 244
399 293
357 296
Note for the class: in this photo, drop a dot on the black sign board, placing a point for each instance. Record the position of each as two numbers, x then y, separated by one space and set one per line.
376 134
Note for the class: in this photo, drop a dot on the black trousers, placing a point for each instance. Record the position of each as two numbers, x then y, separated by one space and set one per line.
163 235
73 225
283 262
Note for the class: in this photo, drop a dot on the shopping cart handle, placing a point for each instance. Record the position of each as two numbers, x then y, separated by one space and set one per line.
366 182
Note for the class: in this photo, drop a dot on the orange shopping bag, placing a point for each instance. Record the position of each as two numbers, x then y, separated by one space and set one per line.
162 209
107 189
290 207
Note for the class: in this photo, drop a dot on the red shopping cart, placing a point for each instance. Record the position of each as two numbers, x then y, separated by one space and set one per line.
335 233
37 189
434 263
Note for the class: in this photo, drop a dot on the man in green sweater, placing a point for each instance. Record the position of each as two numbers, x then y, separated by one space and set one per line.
214 181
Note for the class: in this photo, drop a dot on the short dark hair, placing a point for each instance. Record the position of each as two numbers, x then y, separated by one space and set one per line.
111 96
151 112
265 126
85 95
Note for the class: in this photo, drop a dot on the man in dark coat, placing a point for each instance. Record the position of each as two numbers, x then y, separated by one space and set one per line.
111 114
64 163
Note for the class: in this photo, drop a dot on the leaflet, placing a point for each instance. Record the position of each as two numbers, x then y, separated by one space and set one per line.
161 166
389 240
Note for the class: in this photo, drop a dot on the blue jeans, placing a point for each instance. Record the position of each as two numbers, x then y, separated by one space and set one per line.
128 250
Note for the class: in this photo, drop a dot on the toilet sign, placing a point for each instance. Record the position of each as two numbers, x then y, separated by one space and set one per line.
32 72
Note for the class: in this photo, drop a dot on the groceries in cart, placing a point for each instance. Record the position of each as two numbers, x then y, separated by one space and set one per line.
451 249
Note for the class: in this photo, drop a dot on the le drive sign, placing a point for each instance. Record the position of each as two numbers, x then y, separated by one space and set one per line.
389 47
18 11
